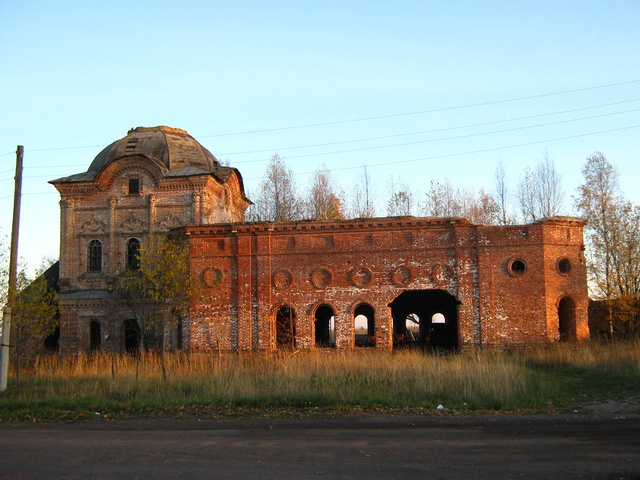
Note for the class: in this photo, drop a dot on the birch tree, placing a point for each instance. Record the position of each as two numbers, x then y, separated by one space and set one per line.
440 200
480 208
277 198
400 201
502 196
324 202
363 198
613 240
443 200
540 193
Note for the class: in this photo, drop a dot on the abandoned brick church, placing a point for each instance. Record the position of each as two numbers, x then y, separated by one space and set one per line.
373 282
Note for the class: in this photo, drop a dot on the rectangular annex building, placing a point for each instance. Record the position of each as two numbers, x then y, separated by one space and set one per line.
442 283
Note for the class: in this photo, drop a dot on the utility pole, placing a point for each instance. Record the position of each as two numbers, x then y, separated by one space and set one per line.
13 273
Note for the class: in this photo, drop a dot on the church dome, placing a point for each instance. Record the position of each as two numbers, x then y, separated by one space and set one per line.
171 148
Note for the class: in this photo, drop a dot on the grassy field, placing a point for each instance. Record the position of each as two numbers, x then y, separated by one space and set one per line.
551 378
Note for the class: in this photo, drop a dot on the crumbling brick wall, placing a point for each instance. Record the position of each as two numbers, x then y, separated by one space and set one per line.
505 278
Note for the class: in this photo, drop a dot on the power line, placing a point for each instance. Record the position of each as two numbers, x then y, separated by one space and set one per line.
442 139
420 112
59 166
379 117
434 157
30 194
65 148
457 137
472 152
526 144
471 125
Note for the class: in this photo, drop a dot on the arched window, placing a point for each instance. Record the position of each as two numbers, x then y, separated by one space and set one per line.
364 326
325 326
133 254
286 327
412 327
94 256
567 319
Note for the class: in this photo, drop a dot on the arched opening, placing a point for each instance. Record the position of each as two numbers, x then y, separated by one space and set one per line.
95 336
132 335
425 318
176 334
132 260
52 342
325 326
286 327
364 326
567 319
94 256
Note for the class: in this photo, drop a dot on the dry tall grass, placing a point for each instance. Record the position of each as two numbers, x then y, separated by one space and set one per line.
321 379
325 379
615 357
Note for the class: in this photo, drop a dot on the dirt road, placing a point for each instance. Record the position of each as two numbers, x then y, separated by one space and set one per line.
363 446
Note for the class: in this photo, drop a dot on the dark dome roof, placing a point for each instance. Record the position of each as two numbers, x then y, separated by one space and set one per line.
170 148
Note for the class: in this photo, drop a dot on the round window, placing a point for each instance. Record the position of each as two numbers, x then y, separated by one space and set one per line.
564 266
517 267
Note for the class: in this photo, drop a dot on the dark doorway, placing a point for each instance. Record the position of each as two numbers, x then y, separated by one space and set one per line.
285 327
567 319
95 336
52 342
176 336
364 325
132 335
325 326
425 318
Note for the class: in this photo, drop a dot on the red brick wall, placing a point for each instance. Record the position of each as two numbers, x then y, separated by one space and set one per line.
248 270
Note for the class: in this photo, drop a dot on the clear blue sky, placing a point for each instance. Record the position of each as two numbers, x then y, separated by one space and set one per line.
455 87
